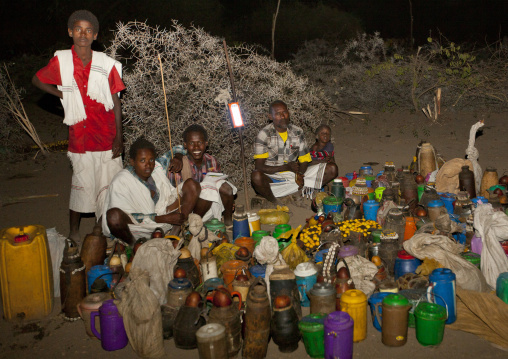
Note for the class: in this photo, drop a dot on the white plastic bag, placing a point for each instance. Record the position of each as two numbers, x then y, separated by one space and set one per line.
362 272
56 244
267 252
158 257
492 228
446 252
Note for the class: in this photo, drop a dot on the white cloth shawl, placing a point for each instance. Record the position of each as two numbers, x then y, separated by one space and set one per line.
127 193
97 88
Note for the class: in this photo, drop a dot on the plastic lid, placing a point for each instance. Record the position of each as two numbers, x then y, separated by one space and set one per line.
472 257
339 319
430 311
253 216
404 255
396 300
365 167
323 289
376 236
441 274
347 251
331 200
370 202
215 224
180 283
100 268
353 296
435 203
211 330
259 234
312 322
258 270
212 283
305 269
337 180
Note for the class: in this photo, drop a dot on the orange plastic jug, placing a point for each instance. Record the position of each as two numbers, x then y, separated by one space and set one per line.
410 228
26 275
229 271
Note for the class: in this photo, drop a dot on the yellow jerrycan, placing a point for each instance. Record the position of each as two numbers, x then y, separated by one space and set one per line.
354 302
26 275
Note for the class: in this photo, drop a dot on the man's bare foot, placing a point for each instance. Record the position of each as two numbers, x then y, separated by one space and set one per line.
75 237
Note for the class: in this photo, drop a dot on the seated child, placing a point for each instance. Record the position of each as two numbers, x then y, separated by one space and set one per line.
217 194
140 198
322 150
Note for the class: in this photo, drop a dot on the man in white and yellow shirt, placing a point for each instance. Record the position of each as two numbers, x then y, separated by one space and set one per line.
282 159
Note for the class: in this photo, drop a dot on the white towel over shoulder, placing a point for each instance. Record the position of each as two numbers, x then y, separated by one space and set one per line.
97 88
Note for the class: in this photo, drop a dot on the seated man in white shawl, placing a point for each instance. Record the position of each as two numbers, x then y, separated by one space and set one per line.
282 159
140 198
217 194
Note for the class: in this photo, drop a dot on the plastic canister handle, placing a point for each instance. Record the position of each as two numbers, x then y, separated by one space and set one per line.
377 313
92 324
430 292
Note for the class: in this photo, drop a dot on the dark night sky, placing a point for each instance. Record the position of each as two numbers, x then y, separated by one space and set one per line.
38 26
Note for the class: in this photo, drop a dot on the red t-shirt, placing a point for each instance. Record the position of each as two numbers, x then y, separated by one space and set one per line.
98 130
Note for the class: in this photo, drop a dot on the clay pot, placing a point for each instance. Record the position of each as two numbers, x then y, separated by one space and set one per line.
419 179
180 273
343 273
282 301
193 300
242 252
158 233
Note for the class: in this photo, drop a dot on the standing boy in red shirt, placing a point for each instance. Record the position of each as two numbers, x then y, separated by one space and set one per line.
88 83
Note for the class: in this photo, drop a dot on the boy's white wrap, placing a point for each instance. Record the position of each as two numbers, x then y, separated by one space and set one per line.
127 193
313 180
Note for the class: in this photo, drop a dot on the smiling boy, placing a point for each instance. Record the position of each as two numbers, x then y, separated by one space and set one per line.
87 83
217 194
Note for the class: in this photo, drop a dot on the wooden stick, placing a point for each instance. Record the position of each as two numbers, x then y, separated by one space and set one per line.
169 129
274 21
438 95
240 131
14 105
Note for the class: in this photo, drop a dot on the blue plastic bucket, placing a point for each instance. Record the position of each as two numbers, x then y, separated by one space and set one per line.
99 271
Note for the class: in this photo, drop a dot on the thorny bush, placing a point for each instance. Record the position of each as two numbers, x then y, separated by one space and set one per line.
198 89
11 135
370 74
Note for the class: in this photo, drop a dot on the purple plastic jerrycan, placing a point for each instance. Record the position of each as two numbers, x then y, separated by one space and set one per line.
113 335
338 336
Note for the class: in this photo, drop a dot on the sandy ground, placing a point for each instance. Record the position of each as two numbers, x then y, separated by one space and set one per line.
382 137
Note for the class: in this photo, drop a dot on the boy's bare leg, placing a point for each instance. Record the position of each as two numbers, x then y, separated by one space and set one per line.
74 221
331 172
202 206
118 223
226 196
261 184
189 198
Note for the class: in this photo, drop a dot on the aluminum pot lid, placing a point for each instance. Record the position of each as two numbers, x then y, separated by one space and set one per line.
323 289
305 269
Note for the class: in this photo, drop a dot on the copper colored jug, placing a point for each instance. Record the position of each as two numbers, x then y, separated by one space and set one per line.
93 250
72 281
257 321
